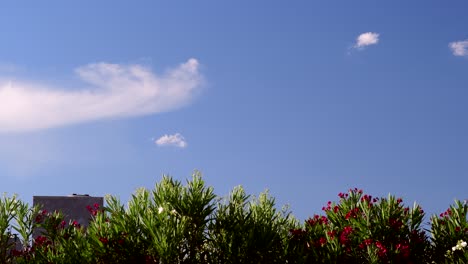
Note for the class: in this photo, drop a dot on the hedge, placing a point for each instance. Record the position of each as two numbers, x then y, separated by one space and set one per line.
188 223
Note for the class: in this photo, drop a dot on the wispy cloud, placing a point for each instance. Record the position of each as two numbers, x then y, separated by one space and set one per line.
113 91
459 48
176 140
366 39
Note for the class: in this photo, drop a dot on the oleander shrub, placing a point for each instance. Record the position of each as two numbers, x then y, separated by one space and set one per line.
362 229
248 230
186 223
450 233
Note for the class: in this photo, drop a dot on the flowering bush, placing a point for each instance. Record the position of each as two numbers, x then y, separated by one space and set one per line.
448 229
363 229
458 254
177 223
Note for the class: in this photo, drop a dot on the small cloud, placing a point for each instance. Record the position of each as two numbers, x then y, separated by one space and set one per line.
366 39
459 48
176 140
111 91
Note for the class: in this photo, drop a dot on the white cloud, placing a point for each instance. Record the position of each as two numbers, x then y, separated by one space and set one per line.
459 48
176 140
366 39
113 91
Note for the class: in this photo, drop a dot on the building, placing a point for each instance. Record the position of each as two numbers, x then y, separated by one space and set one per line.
74 207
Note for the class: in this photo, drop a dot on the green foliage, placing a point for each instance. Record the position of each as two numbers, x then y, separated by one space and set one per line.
187 223
25 223
249 230
8 209
448 229
362 229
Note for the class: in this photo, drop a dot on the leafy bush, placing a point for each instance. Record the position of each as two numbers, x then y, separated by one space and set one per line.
363 229
188 223
449 229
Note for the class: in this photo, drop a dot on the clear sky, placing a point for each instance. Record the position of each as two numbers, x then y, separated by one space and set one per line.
304 98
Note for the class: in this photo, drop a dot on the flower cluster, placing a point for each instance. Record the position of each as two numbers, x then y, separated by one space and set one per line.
93 210
360 226
344 237
357 228
40 216
460 245
317 219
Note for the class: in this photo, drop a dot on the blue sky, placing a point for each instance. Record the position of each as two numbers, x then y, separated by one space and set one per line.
304 98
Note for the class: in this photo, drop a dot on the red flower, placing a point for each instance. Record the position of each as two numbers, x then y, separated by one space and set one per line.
382 249
348 215
342 195
16 253
365 243
403 249
336 209
352 213
355 190
322 241
367 198
93 210
344 237
297 233
75 224
41 241
328 207
40 217
395 223
103 240
323 220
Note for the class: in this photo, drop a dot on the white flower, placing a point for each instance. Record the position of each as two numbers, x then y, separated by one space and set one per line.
160 210
460 245
173 212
